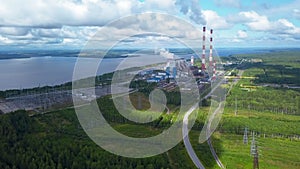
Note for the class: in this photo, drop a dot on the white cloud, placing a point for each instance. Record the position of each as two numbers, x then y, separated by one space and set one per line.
242 34
60 21
228 3
283 9
15 31
75 21
236 40
255 21
159 5
4 40
296 13
55 13
214 20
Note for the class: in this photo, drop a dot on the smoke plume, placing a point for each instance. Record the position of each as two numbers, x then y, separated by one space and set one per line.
192 9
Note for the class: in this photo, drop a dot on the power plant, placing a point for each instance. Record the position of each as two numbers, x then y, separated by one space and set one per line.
182 67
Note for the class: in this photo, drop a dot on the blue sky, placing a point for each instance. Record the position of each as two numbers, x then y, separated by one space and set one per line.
47 24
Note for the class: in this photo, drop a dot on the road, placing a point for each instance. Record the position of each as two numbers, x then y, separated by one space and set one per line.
186 140
215 112
212 150
185 132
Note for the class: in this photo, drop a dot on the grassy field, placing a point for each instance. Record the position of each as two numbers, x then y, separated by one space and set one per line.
273 153
272 112
278 148
271 88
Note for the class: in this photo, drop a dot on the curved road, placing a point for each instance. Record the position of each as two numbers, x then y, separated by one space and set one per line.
186 141
185 134
212 150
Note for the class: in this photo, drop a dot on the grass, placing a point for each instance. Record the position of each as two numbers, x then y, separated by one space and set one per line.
280 151
263 122
273 153
260 98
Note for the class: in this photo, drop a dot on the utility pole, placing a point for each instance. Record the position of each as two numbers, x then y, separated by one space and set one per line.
235 111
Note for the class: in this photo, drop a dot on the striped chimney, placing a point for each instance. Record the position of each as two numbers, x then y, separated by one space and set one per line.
203 50
214 70
210 50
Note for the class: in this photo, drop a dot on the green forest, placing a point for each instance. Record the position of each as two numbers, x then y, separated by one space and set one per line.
56 140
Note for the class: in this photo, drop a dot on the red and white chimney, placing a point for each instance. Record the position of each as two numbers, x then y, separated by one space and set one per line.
214 76
203 50
211 50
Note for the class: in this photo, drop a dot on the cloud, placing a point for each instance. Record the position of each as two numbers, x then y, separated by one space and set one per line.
56 13
162 23
38 36
15 31
296 13
286 9
5 40
74 22
252 19
158 6
283 26
228 3
242 34
214 20
62 22
256 22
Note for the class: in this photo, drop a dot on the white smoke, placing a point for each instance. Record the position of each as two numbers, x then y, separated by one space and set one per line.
192 9
165 53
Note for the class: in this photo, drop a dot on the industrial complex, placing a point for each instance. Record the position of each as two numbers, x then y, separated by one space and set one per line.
176 68
166 76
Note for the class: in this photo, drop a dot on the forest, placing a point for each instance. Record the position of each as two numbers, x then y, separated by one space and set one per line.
56 139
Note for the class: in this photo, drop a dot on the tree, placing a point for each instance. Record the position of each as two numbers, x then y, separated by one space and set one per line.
150 166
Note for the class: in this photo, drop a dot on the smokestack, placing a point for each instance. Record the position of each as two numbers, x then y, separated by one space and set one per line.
203 50
192 60
210 50
214 70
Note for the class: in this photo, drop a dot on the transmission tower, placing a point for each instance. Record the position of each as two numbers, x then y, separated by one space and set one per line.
252 149
255 159
246 136
254 152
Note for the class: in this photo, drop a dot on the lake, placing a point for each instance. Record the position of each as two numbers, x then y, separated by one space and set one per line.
46 70
42 71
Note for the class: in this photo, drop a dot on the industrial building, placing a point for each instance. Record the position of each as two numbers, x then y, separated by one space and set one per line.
183 68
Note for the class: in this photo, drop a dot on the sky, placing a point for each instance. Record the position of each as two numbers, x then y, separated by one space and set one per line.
70 24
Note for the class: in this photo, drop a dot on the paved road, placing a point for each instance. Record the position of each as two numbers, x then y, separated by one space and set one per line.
212 150
185 131
215 112
186 141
